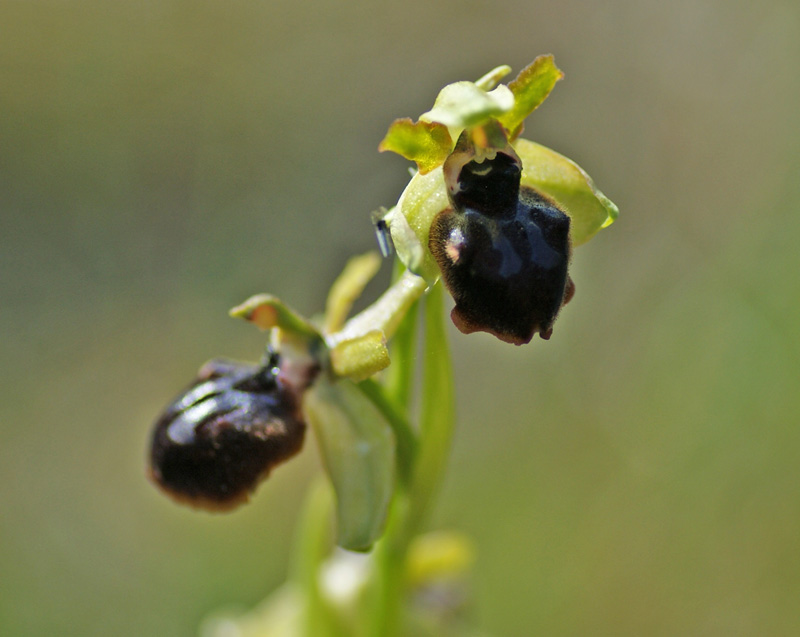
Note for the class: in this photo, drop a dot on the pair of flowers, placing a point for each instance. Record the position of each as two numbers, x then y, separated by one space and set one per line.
494 216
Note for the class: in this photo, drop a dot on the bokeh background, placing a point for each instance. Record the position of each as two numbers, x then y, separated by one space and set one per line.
639 474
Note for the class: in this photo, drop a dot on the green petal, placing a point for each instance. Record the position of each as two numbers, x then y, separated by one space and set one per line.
267 311
427 143
361 357
570 186
358 450
530 88
464 104
493 77
385 314
348 287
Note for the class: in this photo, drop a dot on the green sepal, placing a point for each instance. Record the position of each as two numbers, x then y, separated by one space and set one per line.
358 450
530 88
426 143
266 311
569 185
410 221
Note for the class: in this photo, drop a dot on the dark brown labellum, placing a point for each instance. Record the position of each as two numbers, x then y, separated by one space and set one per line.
503 250
222 436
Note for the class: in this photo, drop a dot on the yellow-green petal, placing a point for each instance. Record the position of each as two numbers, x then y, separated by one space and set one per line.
463 104
493 77
530 88
361 357
569 185
426 143
266 311
348 287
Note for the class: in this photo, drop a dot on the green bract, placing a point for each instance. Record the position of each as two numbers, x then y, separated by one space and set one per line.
358 450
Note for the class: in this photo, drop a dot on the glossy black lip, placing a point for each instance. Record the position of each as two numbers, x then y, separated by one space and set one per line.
503 250
220 438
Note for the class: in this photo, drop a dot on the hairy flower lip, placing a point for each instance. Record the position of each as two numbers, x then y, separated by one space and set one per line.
218 440
503 251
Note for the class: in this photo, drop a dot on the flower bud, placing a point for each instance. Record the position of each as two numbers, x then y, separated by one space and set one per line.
217 441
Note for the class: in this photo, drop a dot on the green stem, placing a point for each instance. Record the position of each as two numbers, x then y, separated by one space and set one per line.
311 549
411 505
400 375
389 583
437 413
422 457
404 435
389 586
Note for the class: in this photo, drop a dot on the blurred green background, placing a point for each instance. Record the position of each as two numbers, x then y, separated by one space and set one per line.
639 474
